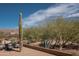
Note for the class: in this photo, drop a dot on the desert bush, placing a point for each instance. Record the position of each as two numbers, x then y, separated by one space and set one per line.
60 31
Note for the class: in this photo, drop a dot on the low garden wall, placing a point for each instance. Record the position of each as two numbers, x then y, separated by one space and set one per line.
50 51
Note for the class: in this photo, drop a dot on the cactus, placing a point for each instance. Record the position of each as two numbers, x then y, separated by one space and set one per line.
20 30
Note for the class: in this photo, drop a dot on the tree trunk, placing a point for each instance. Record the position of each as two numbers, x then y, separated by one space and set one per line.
60 43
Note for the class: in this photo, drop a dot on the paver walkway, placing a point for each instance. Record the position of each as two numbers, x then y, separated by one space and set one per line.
25 52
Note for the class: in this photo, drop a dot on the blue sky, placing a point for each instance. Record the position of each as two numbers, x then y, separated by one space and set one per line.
33 13
9 13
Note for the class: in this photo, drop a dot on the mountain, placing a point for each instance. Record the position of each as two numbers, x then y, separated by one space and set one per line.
8 30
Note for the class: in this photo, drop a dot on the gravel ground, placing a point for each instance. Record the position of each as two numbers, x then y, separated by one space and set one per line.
24 52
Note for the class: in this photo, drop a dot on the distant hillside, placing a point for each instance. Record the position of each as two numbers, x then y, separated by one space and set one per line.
8 30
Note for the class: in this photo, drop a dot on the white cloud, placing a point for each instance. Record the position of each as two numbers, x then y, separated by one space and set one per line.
74 15
65 10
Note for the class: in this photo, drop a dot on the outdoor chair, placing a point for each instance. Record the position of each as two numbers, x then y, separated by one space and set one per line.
15 45
1 46
8 47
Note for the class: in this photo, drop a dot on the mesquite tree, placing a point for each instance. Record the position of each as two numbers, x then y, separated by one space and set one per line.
60 31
